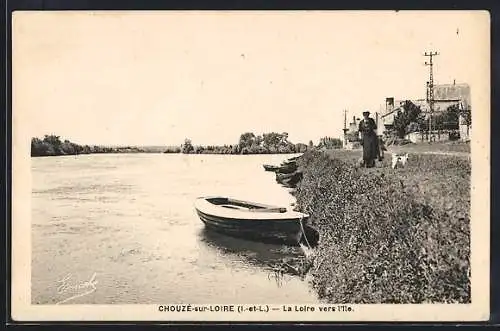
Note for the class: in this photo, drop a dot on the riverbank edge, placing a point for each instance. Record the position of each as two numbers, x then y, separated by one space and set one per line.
388 241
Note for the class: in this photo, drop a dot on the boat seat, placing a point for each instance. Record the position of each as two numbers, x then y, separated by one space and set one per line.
256 210
234 207
268 210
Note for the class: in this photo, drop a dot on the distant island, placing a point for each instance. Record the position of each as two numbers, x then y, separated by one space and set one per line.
249 143
51 145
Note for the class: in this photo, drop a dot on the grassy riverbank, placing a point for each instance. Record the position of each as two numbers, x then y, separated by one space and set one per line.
389 236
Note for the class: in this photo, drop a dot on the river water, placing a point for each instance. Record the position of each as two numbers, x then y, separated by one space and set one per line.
126 224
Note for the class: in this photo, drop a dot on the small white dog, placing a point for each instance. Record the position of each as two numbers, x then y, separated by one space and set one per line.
399 159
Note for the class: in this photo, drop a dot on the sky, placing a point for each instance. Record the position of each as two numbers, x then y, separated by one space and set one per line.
156 78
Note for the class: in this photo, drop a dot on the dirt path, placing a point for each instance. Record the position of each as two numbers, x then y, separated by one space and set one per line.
410 151
463 154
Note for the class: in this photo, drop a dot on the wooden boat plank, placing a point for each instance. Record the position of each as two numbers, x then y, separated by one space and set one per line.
269 210
250 204
250 223
291 236
278 238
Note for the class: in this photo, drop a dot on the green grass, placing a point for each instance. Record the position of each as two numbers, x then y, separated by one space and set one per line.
445 147
389 235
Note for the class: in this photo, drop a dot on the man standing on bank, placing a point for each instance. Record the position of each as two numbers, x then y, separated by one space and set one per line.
369 139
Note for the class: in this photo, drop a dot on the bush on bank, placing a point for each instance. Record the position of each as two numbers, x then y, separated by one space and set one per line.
380 241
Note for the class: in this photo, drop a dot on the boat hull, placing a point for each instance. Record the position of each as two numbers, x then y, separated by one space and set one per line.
287 169
268 167
250 220
287 231
289 180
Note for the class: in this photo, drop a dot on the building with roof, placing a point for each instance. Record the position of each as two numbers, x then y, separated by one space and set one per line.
445 95
459 92
351 134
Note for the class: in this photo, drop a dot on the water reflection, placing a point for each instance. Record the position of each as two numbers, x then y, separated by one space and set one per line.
262 255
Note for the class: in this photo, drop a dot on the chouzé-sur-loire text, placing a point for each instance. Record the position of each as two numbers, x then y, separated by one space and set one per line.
196 308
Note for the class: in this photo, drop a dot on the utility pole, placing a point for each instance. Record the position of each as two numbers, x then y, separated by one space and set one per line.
430 85
427 91
345 128
345 119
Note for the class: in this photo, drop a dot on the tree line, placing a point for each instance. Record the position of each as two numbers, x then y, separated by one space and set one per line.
412 119
250 143
51 145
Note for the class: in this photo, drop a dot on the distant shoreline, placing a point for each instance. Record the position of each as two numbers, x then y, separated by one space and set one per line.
249 144
154 152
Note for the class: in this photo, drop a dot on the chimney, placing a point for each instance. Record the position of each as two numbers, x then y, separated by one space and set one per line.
389 104
453 82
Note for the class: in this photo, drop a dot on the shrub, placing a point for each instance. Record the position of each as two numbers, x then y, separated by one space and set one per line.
187 147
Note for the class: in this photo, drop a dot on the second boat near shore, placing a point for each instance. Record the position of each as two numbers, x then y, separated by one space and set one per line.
286 167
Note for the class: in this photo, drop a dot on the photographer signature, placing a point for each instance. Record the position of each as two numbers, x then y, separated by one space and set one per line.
77 289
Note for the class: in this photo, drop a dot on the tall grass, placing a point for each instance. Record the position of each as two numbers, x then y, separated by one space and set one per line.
383 237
